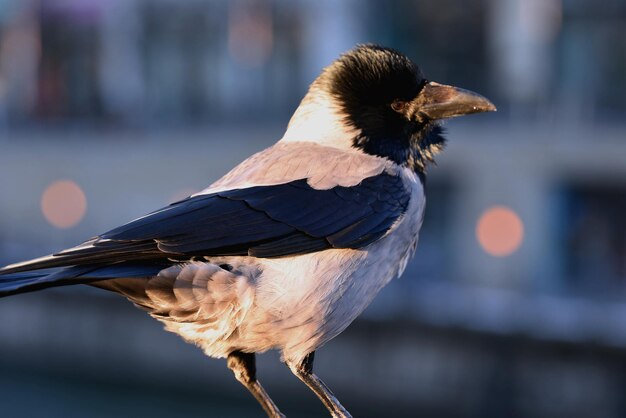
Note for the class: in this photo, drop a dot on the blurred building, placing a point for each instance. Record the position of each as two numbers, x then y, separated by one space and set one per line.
517 294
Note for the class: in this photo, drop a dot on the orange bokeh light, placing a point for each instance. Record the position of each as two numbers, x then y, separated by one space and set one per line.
63 204
500 231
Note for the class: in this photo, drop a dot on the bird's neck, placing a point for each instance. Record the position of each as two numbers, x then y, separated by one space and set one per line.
319 119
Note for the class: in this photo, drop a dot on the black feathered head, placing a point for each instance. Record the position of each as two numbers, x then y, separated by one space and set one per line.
394 109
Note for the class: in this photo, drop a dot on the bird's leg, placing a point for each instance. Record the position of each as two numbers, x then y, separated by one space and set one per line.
304 371
243 366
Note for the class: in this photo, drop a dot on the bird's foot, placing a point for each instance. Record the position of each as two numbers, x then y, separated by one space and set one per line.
243 366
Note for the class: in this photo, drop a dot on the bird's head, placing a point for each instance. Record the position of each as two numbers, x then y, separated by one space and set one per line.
376 100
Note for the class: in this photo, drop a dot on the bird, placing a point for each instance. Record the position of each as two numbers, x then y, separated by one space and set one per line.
289 247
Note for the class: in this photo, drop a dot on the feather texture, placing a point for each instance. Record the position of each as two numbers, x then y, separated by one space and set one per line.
262 221
15 283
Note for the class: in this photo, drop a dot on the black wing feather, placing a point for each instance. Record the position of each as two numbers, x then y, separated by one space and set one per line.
262 221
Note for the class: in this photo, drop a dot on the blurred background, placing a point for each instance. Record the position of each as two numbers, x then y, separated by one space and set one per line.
515 304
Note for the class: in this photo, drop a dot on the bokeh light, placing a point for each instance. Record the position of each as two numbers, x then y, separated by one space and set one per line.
500 231
63 204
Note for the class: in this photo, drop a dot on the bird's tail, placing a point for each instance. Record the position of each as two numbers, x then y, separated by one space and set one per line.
14 283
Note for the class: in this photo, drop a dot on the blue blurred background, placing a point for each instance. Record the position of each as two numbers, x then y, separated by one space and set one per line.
515 304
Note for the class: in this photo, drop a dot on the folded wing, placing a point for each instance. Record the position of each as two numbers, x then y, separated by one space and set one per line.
262 221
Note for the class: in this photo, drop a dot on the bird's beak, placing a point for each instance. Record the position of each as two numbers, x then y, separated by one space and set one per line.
438 101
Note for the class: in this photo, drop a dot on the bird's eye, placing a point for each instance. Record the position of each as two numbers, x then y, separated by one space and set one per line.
398 105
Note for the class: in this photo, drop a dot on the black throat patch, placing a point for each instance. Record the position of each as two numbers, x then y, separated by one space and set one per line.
411 149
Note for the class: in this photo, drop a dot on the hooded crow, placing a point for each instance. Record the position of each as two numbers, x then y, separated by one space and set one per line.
289 247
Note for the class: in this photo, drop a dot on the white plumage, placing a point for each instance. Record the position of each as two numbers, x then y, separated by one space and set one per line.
293 304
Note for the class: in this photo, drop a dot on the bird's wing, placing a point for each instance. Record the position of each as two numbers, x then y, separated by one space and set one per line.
261 221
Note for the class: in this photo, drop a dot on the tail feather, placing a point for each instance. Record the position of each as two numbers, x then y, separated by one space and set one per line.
15 283
89 253
11 283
